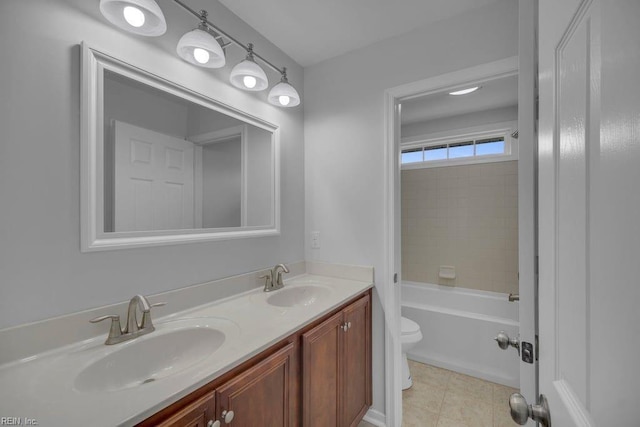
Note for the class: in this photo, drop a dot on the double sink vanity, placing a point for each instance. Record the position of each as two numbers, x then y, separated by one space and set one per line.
298 354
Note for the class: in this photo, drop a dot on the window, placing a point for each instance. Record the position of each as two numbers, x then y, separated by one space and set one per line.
436 152
461 149
412 155
471 149
489 146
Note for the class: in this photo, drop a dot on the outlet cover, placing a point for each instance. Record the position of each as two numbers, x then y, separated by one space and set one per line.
315 240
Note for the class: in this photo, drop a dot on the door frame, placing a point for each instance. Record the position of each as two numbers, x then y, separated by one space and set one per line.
391 297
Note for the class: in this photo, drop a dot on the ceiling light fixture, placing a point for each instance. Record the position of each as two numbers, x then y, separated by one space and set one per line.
200 47
283 94
248 75
142 17
465 91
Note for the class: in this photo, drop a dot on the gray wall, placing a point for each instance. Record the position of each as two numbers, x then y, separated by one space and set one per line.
496 115
42 271
344 133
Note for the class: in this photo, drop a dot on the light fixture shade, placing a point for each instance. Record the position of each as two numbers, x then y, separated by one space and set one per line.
283 92
200 39
151 23
248 68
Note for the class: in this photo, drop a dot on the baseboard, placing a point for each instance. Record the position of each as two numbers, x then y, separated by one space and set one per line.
465 369
376 418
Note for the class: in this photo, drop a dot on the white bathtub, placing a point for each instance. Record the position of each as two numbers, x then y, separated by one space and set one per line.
459 325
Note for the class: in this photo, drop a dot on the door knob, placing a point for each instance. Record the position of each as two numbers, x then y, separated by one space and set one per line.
521 411
504 341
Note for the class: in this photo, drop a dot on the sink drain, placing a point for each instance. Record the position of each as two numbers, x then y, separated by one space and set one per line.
148 380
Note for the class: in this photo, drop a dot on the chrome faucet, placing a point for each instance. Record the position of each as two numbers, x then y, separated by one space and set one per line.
134 328
273 279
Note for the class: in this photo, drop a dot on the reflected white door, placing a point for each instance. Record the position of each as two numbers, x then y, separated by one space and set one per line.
154 180
589 210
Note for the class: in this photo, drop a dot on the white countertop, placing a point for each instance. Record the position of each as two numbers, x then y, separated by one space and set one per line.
44 387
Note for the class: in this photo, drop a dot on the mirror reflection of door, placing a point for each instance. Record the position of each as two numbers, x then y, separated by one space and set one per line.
154 180
162 182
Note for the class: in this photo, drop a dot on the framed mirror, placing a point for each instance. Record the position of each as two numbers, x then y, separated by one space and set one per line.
162 164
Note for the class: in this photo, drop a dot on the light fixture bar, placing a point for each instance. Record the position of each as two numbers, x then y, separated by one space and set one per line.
224 34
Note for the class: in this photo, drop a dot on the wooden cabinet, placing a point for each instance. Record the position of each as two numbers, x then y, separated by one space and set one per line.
336 368
260 395
357 361
196 414
327 384
322 373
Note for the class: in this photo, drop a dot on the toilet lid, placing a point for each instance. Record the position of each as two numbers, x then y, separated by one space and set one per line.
408 326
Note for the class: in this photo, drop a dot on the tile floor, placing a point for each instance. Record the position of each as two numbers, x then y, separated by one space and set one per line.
442 398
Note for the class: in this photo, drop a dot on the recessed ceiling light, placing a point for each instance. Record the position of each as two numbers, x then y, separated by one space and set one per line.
465 91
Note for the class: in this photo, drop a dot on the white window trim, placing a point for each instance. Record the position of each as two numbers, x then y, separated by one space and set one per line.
504 129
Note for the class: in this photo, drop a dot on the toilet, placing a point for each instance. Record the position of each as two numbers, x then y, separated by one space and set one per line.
411 335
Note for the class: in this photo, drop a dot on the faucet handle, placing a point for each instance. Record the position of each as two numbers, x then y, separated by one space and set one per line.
146 317
113 317
115 331
268 281
267 277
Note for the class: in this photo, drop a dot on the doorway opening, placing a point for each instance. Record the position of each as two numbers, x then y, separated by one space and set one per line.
454 188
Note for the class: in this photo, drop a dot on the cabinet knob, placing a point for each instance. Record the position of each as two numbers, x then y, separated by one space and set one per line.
212 423
227 416
348 325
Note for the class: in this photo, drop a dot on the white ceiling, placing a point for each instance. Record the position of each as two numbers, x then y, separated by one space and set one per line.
310 31
492 94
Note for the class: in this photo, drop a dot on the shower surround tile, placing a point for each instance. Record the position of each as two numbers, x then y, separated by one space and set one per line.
465 216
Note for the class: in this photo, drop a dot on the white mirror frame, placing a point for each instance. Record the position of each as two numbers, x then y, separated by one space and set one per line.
92 235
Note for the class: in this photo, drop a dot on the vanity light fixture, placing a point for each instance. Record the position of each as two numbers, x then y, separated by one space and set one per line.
203 47
142 17
200 47
465 91
248 75
283 94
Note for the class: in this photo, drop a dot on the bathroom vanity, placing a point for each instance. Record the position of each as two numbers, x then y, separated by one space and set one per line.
320 375
300 355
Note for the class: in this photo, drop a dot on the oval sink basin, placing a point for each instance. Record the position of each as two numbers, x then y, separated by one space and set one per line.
151 357
300 296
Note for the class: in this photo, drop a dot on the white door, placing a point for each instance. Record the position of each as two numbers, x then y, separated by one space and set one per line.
154 180
589 211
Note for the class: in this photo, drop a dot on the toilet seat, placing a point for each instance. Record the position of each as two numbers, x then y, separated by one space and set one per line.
408 326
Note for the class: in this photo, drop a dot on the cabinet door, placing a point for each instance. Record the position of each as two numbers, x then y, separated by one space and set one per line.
260 396
197 414
357 361
322 373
